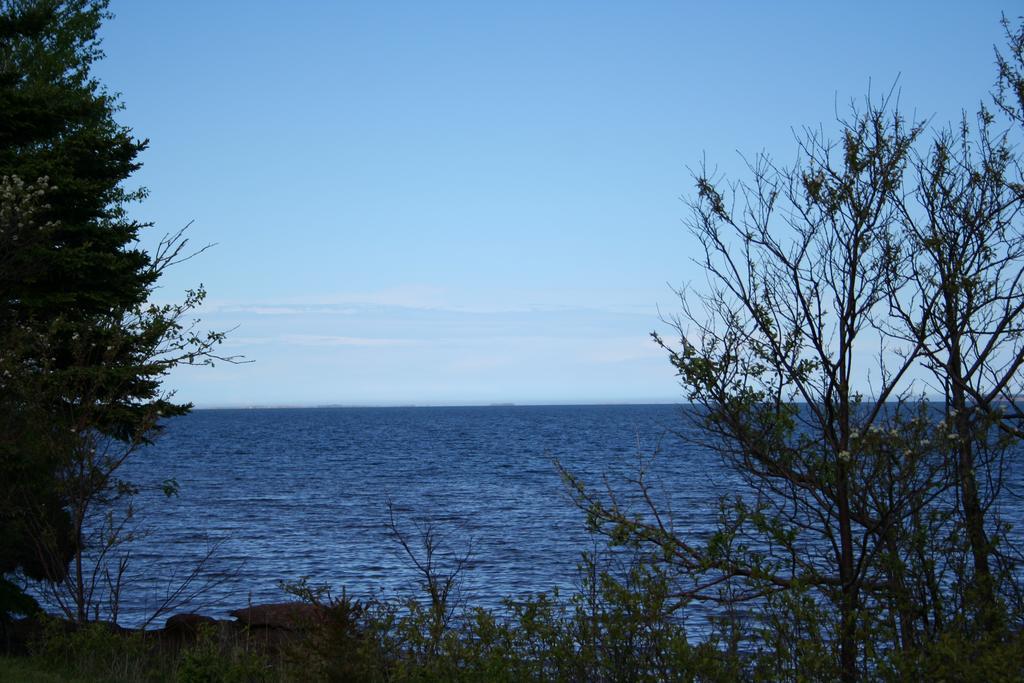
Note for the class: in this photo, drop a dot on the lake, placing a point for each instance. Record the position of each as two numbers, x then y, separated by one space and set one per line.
282 494
290 493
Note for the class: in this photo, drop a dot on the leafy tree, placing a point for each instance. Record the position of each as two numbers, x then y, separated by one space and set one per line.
843 291
82 353
961 295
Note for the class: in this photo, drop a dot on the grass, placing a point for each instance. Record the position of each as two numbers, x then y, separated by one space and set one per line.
26 670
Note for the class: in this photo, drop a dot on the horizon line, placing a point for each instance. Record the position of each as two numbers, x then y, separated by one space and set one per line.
430 404
679 401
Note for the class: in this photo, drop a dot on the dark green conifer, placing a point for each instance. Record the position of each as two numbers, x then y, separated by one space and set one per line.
82 353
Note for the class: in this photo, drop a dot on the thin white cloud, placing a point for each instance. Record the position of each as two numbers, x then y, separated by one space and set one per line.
411 296
276 309
263 310
236 341
332 340
434 298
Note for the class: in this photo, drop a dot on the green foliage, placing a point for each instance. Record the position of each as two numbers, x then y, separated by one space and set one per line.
102 652
17 601
25 670
865 537
95 650
954 657
619 627
793 640
209 660
351 640
82 353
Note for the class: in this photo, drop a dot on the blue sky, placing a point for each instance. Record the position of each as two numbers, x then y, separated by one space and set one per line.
451 203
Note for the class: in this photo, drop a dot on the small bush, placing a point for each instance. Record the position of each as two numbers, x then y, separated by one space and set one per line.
211 660
95 650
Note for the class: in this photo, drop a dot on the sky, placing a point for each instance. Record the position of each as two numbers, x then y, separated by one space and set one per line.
467 203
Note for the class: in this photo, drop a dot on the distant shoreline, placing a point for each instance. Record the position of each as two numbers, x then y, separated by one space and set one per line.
362 406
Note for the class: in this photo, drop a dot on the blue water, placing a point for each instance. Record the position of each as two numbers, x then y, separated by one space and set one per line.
291 493
278 495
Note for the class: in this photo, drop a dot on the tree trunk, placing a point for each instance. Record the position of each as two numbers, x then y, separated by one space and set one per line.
974 516
848 599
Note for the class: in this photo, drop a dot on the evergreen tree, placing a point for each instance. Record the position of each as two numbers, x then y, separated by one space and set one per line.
82 353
